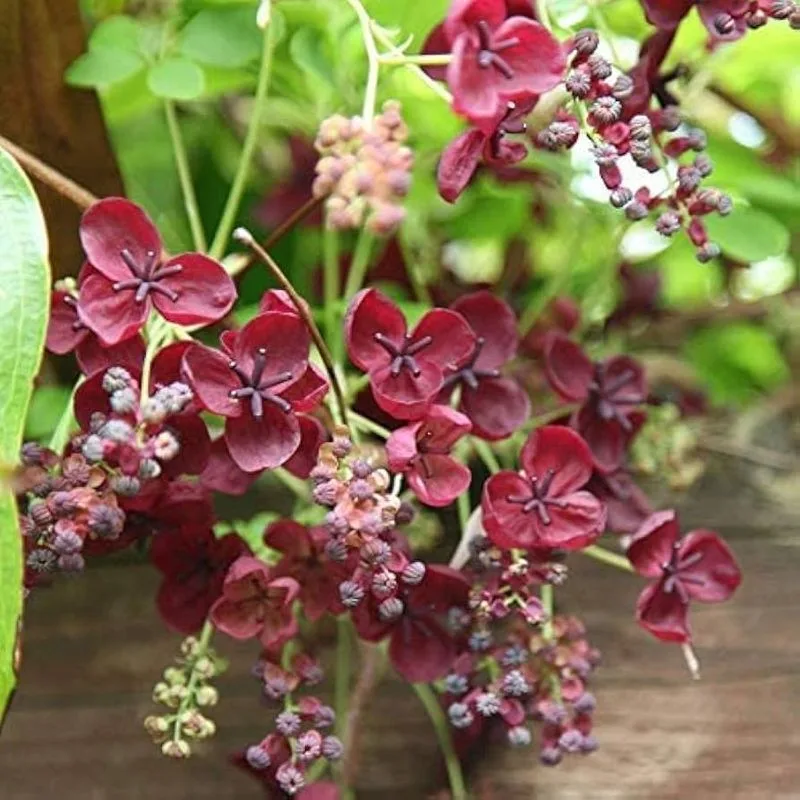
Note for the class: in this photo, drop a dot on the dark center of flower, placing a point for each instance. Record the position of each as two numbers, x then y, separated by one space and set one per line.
257 388
77 325
538 500
425 448
468 374
603 392
403 356
490 48
146 276
675 580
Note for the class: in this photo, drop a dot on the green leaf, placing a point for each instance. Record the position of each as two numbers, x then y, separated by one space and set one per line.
47 406
308 50
176 78
748 235
118 32
24 298
222 37
103 66
736 361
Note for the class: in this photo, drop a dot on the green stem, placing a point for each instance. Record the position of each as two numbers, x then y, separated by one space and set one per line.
157 334
331 289
548 634
185 177
186 703
543 15
369 426
462 504
428 699
607 557
228 218
60 437
486 455
422 60
359 264
294 485
373 61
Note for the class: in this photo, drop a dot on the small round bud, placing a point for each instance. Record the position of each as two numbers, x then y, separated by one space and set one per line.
724 24
620 197
414 573
702 163
579 83
487 704
460 716
550 756
361 468
391 609
93 448
174 676
708 252
207 696
361 490
635 211
757 19
668 223
126 485
309 746
351 593
41 514
571 740
781 9
519 737
586 41
166 446
332 748
515 684
205 668
585 704
124 401
41 560
384 583
115 379
287 723
640 128
623 87
290 778
598 66
154 412
157 727
149 469
257 757
176 749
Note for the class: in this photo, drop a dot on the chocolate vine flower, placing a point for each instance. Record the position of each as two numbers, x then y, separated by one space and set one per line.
193 563
544 505
724 19
305 560
699 566
609 393
497 59
462 157
496 405
127 275
420 647
406 370
67 331
259 385
628 506
422 453
255 603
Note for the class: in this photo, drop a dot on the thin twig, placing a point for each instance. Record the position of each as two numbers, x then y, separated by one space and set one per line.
49 176
244 236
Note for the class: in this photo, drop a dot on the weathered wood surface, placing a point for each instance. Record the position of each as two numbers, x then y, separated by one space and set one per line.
94 647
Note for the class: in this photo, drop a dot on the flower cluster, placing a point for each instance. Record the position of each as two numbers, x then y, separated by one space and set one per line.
364 171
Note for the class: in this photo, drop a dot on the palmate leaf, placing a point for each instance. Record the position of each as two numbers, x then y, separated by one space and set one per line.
24 306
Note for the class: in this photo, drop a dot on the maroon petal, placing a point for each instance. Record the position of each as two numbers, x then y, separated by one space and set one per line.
93 355
452 340
184 605
652 545
464 15
437 43
263 443
538 60
212 380
285 339
421 650
504 522
113 225
663 614
307 391
568 369
575 524
401 447
437 480
442 428
312 436
458 163
404 395
560 451
321 790
167 365
290 537
497 407
630 372
205 292
223 474
605 438
711 574
372 313
666 14
278 300
493 321
65 329
112 315
195 445
90 397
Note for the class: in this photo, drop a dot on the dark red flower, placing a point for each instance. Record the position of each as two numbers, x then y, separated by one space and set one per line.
255 603
462 157
422 453
127 275
497 59
406 370
420 647
724 19
496 405
628 506
304 559
640 297
543 507
193 562
609 393
258 385
561 315
699 566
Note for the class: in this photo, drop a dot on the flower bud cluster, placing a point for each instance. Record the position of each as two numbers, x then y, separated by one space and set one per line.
135 441
300 740
185 690
738 17
63 502
364 172
601 96
667 446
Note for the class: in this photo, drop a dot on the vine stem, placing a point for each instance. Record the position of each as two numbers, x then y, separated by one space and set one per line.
60 436
359 264
331 289
248 148
422 60
543 14
369 426
486 455
185 177
202 645
431 704
373 61
50 176
607 557
246 238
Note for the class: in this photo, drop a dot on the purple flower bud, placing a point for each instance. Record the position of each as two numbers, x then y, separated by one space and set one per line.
93 448
257 757
605 154
391 609
124 401
640 128
598 66
361 468
414 573
384 583
375 553
579 83
606 109
337 523
287 723
571 740
708 252
487 704
519 737
781 9
460 716
703 165
515 684
586 41
336 550
553 713
550 756
668 224
116 379
332 748
351 593
41 514
361 490
756 19
71 562
324 717
585 704
67 542
480 641
41 560
689 178
620 197
590 744
623 87
724 205
309 746
405 514
32 454
456 684
290 778
635 210
327 494
106 522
